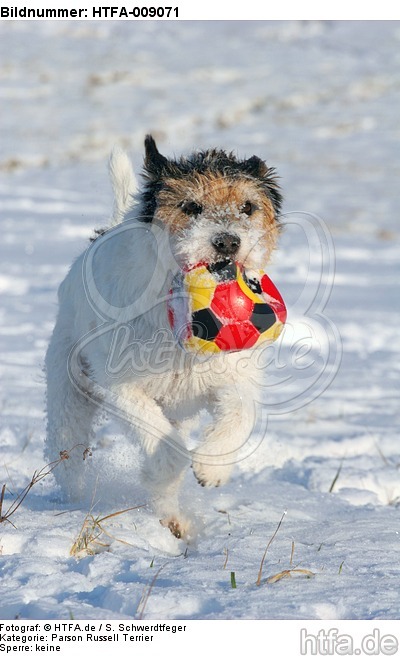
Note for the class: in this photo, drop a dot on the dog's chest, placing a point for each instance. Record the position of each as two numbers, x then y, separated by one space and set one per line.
173 388
195 381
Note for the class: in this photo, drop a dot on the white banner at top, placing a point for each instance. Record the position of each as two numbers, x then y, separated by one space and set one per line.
135 10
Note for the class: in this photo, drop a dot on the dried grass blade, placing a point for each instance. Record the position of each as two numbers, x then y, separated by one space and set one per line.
267 547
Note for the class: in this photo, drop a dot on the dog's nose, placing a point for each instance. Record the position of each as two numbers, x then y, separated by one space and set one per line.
226 243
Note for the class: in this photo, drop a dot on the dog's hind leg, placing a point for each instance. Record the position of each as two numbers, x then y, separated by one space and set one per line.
70 413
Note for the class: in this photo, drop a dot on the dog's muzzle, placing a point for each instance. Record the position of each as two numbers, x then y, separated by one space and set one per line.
226 243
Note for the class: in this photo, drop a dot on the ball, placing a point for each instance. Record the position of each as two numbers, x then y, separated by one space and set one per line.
214 308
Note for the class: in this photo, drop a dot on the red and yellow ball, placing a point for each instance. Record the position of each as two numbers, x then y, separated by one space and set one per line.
222 307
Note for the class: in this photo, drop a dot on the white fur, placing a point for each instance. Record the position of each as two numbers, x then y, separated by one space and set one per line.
123 183
252 253
112 348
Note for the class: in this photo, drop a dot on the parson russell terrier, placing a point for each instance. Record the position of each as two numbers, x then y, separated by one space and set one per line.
209 207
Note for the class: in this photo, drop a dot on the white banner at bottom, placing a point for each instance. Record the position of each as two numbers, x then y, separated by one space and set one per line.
294 637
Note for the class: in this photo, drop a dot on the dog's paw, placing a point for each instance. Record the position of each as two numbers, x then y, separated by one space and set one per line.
179 527
211 475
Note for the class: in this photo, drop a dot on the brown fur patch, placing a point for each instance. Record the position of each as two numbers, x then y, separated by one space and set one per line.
220 197
174 526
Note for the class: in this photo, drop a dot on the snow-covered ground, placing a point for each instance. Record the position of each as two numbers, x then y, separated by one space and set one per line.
320 101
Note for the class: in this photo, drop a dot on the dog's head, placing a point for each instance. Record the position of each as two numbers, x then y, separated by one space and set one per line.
215 206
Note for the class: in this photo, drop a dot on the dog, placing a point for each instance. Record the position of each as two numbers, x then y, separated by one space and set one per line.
209 207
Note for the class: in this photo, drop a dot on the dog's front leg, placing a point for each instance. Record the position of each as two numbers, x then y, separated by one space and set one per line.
234 420
166 457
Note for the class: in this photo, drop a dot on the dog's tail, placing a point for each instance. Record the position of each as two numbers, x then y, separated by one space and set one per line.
123 182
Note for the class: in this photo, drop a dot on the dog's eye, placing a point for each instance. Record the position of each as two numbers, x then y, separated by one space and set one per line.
248 208
191 207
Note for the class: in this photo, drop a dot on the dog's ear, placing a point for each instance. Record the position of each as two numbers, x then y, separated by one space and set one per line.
154 163
257 168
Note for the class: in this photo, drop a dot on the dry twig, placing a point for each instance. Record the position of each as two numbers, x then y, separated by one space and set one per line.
147 592
258 582
87 543
287 573
37 476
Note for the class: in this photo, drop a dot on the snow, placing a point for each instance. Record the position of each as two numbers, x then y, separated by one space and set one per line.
319 101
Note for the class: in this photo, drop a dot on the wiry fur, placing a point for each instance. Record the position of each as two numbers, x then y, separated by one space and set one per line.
121 285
